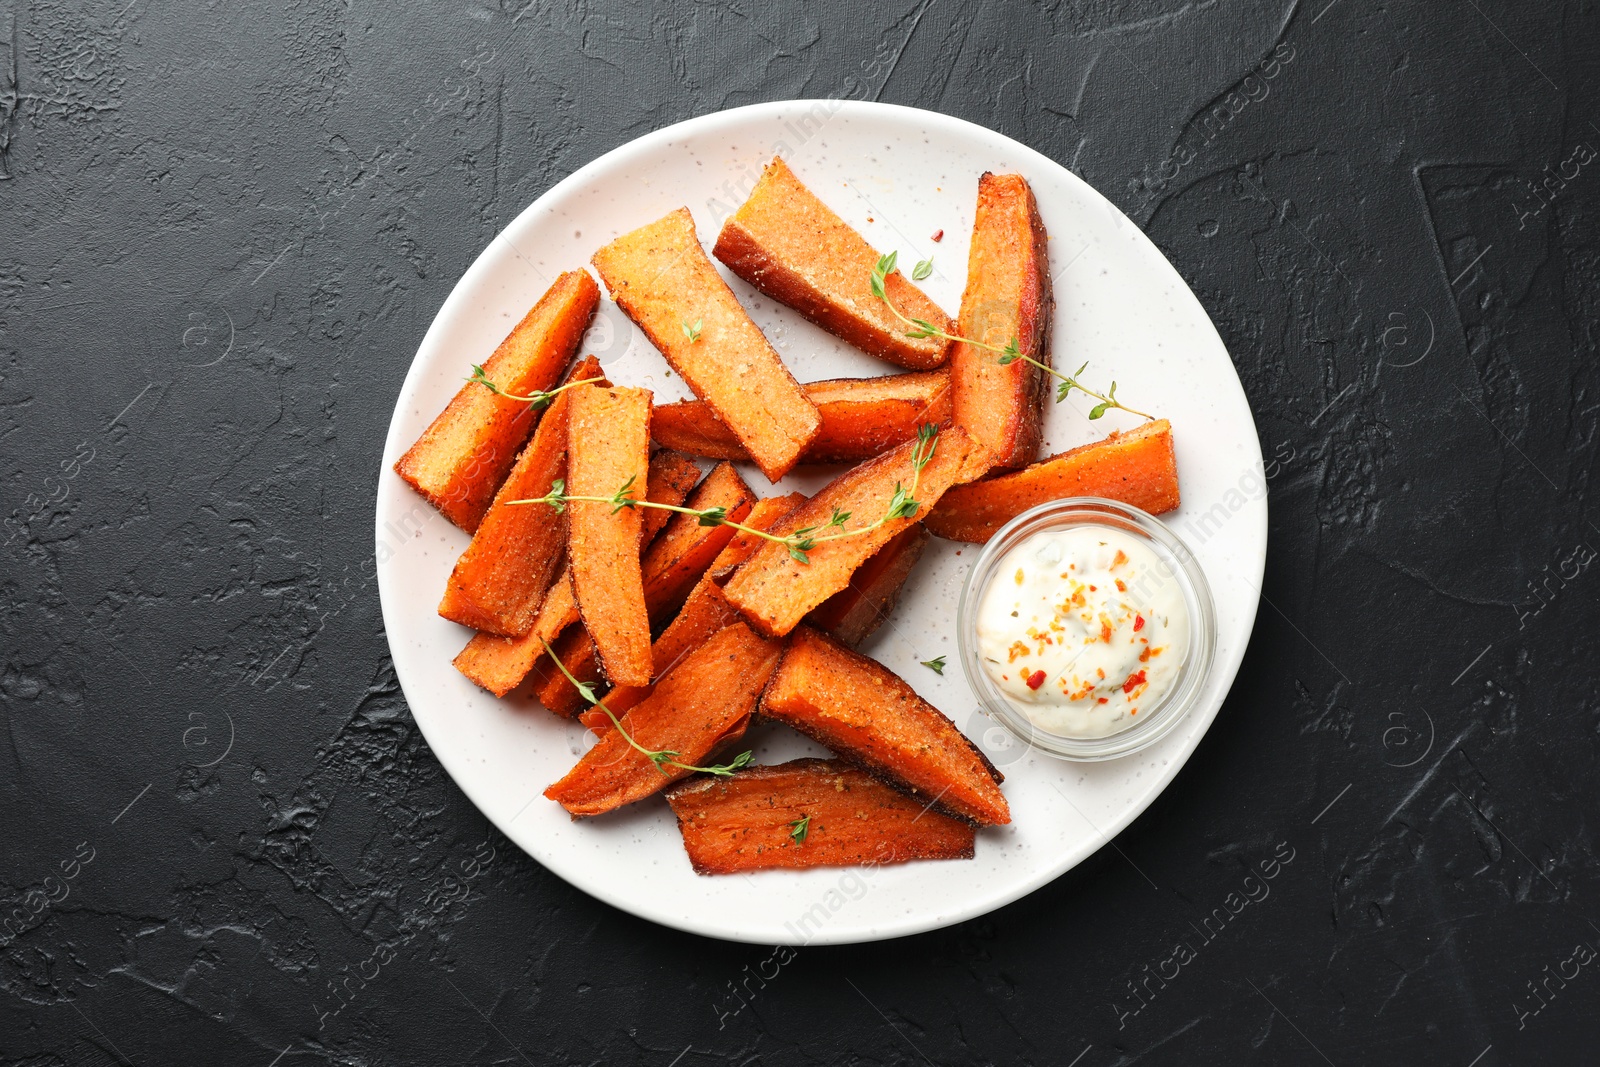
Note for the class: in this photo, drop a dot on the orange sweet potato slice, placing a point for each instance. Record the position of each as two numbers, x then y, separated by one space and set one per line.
774 514
1008 298
463 456
501 579
861 417
608 433
853 613
791 246
749 822
775 591
560 608
577 652
697 709
672 475
678 558
1137 467
867 714
764 514
704 612
500 664
663 279
673 563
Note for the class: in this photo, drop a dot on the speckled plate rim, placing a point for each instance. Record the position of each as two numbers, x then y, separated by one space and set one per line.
1247 523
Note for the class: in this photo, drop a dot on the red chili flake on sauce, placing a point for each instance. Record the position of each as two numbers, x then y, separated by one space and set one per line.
1138 623
1135 680
1102 700
1036 679
938 235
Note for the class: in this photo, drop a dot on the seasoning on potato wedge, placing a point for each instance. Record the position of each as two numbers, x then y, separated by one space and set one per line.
501 579
500 664
869 715
608 433
697 709
663 279
686 547
1135 466
704 612
463 456
672 476
861 418
774 590
1008 298
808 813
671 566
791 246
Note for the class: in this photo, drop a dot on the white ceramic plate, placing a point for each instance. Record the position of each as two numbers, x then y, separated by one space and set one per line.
898 175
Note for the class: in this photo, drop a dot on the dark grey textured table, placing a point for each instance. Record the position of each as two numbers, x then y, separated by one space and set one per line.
222 235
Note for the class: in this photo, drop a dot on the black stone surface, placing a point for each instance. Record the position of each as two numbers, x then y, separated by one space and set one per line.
223 232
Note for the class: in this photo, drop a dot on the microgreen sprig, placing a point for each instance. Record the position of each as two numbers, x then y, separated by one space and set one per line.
799 829
1009 353
936 665
661 757
691 330
538 401
902 505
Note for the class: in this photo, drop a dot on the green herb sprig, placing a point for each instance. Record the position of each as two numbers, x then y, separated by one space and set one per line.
661 757
1010 353
903 504
936 665
799 829
538 401
691 330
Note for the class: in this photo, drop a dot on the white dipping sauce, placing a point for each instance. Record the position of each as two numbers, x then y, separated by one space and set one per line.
1082 628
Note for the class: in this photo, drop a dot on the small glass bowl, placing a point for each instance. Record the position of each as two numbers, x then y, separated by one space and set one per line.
1177 560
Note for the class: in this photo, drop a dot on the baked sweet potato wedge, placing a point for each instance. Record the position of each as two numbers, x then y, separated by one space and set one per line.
791 246
775 591
559 609
753 821
577 652
463 456
861 417
672 564
501 579
608 434
704 612
697 709
1137 467
855 612
867 714
775 514
677 559
500 664
764 514
672 476
663 279
1008 298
